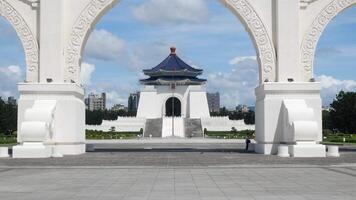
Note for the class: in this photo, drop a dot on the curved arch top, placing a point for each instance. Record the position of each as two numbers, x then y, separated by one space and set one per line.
28 40
315 31
242 8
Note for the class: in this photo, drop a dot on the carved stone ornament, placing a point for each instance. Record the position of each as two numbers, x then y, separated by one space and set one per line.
28 40
314 32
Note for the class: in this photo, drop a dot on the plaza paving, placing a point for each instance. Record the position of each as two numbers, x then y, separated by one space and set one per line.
220 172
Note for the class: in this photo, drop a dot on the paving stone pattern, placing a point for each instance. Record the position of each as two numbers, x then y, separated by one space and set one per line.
178 183
183 174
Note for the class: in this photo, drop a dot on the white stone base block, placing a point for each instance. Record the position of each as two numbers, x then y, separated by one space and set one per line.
333 151
56 153
4 152
68 134
71 149
32 150
269 101
266 149
283 151
306 150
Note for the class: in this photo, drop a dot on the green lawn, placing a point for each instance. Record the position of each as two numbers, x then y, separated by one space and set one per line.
229 134
100 135
7 140
340 138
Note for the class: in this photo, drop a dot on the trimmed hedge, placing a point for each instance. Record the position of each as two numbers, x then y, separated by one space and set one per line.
339 137
230 134
101 135
7 139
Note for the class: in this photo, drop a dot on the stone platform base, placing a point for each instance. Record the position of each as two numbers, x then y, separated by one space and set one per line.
307 150
70 149
32 150
266 149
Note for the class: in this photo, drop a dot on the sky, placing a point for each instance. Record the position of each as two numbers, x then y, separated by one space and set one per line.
135 36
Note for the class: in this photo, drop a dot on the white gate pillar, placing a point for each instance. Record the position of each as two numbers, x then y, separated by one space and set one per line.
271 116
286 36
51 41
67 131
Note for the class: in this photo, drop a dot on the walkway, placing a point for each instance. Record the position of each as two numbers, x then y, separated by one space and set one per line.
219 175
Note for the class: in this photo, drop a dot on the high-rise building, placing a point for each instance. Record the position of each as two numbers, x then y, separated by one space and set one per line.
96 102
214 101
133 102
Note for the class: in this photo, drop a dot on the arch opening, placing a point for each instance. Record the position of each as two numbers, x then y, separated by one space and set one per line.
173 107
242 9
27 38
315 31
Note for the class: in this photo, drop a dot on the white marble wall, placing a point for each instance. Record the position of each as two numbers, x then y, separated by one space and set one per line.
224 124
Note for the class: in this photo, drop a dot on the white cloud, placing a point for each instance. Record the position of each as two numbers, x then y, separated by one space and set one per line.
236 86
103 45
115 97
237 60
331 86
171 12
86 72
10 76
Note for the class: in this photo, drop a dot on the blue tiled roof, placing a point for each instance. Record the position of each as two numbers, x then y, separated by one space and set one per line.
173 64
157 80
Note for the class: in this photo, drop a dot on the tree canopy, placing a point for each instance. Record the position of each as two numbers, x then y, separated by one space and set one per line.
343 112
96 117
8 117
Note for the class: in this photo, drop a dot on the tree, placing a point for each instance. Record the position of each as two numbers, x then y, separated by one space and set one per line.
249 118
327 122
8 117
343 112
96 117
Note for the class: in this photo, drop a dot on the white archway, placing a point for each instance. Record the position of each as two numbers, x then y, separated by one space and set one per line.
315 31
241 8
28 40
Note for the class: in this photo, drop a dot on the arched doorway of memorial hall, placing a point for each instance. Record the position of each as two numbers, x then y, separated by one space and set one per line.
173 107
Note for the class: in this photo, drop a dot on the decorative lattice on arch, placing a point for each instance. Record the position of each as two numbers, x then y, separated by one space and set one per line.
242 8
28 40
314 32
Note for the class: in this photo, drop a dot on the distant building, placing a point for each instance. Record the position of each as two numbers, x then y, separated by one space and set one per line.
96 102
242 108
133 102
118 107
213 101
11 100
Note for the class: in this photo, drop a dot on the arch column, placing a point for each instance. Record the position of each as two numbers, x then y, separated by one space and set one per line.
66 135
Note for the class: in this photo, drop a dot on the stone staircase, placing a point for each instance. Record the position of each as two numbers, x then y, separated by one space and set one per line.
193 128
153 127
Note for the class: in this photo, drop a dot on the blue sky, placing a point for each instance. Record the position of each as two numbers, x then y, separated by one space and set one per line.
137 34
